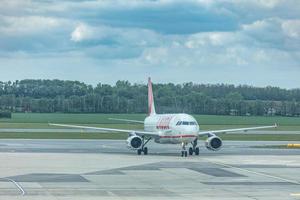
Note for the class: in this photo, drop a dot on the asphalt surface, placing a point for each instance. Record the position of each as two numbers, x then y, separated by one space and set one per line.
119 147
106 169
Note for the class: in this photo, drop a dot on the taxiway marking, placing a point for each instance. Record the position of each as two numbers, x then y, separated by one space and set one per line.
17 185
254 172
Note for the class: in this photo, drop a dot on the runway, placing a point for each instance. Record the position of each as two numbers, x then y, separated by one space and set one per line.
119 147
106 169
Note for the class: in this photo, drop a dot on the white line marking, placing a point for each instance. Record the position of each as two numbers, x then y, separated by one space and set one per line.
254 172
17 185
295 194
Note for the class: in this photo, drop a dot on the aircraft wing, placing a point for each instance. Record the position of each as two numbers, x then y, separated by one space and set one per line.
207 133
141 133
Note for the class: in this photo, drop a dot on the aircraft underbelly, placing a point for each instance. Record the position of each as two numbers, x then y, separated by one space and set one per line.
175 140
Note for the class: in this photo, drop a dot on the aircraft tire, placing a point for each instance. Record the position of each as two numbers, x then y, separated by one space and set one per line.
145 151
139 151
191 151
197 151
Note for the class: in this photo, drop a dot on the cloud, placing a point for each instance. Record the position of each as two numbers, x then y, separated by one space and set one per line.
199 40
275 33
82 32
10 25
291 28
34 34
175 16
104 42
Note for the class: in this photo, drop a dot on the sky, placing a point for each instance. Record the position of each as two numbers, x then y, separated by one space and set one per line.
253 42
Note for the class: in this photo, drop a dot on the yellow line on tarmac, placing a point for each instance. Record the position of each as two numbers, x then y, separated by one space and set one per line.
295 194
293 146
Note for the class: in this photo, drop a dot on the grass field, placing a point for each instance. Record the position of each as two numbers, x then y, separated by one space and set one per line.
207 122
103 119
87 135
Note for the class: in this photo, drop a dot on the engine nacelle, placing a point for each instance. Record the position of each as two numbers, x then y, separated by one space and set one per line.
134 142
213 143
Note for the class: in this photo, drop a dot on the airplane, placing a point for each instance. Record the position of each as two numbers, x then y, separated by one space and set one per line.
168 129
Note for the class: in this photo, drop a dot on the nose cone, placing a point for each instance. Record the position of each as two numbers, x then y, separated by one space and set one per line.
196 128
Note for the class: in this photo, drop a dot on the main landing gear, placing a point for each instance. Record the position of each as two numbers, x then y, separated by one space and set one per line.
143 148
192 150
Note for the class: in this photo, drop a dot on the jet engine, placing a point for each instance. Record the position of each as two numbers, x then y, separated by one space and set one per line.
134 142
213 143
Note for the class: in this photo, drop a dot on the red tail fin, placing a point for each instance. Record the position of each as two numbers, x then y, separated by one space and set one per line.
151 107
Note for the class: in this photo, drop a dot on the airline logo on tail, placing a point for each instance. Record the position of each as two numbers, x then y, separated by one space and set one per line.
151 107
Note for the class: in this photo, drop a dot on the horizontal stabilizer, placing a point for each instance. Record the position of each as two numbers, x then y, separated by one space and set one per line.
127 120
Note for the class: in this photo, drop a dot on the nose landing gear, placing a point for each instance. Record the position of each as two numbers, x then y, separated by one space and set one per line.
183 151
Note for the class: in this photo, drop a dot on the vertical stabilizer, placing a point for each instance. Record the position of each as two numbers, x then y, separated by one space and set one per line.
151 107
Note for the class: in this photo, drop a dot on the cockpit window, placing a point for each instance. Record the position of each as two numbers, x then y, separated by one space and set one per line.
186 123
179 123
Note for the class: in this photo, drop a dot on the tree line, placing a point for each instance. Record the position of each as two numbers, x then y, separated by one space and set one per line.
47 96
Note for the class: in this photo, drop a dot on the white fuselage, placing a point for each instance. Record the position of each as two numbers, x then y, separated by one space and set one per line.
172 128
